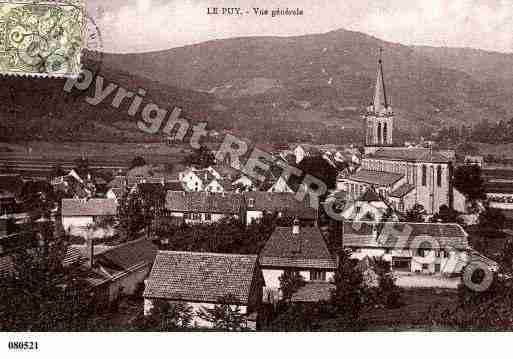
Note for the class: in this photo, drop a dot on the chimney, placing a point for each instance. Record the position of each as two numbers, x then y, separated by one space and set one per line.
295 227
90 251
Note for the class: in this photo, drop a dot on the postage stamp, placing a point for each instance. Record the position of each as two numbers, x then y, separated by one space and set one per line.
41 38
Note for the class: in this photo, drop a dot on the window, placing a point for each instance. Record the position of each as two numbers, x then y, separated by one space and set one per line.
196 216
421 252
318 275
384 133
387 251
437 267
186 215
208 216
424 175
379 133
251 202
439 176
425 266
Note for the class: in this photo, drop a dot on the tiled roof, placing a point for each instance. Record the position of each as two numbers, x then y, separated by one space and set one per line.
90 207
410 154
204 202
121 258
499 187
402 190
304 250
285 202
173 186
379 178
201 277
313 292
411 235
118 192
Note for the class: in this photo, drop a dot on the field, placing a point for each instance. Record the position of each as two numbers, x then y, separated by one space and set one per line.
37 158
420 310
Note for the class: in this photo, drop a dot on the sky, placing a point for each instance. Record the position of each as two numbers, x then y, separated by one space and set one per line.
149 25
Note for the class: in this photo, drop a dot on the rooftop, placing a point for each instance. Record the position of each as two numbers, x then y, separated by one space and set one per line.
204 202
409 154
313 292
279 202
379 178
306 249
404 235
201 277
402 190
90 207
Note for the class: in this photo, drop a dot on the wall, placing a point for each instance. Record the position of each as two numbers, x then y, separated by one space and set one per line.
128 284
197 308
451 265
271 276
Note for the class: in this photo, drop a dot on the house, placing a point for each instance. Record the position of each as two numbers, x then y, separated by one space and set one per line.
474 160
280 185
196 180
278 204
430 248
218 185
205 207
313 292
79 215
298 249
370 206
243 184
305 150
203 280
118 270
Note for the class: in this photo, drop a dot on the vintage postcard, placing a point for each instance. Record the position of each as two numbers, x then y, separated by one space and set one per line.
254 167
41 38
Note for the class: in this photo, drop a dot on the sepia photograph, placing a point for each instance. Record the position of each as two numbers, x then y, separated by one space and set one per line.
185 166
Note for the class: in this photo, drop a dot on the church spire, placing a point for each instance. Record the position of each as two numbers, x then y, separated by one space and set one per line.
380 94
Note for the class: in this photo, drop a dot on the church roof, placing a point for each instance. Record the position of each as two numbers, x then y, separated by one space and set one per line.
379 178
409 154
380 100
402 190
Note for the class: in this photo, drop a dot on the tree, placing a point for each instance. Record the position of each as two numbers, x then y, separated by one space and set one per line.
224 316
491 221
350 293
446 215
415 214
290 282
469 181
387 292
40 293
321 169
137 161
166 316
201 158
129 217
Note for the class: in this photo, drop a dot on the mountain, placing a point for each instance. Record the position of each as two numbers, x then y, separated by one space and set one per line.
327 79
39 108
273 89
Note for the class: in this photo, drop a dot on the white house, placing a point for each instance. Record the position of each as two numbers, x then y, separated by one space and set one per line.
368 207
280 186
205 207
426 248
298 249
243 183
202 280
79 215
279 204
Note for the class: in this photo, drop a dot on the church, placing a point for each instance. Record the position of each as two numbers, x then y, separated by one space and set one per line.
402 176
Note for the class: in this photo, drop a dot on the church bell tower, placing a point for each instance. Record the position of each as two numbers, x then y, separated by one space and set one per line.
379 119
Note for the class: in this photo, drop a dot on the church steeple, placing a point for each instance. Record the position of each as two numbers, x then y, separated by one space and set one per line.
380 117
380 93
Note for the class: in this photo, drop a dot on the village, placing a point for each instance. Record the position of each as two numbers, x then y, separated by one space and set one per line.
207 247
